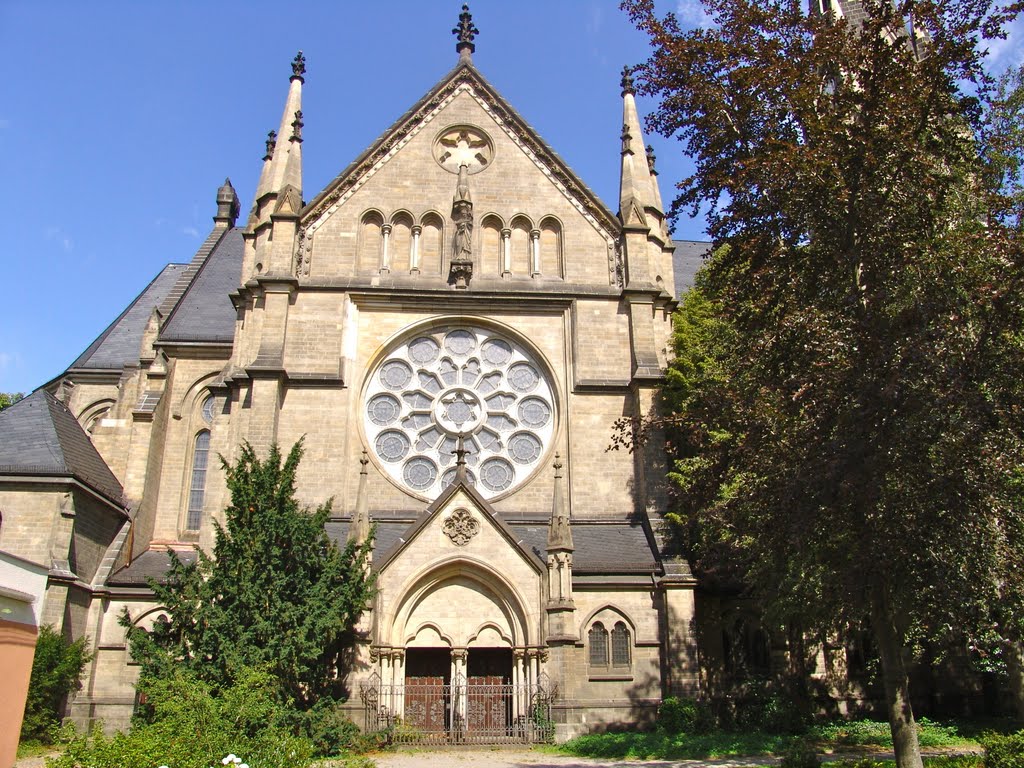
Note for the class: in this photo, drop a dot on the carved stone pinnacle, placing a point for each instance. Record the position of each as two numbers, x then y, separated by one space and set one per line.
627 81
298 66
465 32
271 142
651 159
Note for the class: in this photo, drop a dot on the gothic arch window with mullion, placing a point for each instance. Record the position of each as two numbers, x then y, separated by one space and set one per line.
598 642
197 481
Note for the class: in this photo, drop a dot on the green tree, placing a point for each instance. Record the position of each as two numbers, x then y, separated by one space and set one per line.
56 671
277 593
9 398
853 447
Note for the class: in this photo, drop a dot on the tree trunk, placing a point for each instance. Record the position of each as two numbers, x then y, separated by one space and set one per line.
1015 668
897 683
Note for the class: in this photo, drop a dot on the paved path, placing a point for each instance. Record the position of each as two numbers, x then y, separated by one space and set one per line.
526 758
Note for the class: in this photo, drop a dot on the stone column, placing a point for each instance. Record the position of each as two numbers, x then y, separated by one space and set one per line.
414 255
398 673
459 702
506 252
385 256
534 252
519 692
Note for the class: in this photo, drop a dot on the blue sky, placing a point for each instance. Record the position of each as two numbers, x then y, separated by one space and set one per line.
119 120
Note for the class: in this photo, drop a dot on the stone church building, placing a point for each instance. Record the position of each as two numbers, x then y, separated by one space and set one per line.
454 325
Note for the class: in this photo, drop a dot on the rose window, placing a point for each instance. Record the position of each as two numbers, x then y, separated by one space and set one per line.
459 381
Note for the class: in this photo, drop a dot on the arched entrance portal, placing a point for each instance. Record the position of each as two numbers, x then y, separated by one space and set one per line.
458 664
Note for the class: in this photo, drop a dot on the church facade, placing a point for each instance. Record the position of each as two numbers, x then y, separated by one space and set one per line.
453 326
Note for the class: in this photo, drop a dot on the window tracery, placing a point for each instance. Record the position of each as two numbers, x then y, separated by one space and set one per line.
463 380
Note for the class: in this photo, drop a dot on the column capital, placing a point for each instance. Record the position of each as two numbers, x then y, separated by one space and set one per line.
385 228
417 230
459 654
506 233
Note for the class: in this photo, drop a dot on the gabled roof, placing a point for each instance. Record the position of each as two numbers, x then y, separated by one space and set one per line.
119 343
204 312
40 436
463 73
535 559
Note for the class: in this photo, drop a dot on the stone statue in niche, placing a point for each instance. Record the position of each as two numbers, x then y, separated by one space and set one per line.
461 269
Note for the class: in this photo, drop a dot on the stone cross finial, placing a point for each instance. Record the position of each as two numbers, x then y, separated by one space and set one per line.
298 66
297 126
466 32
627 81
271 142
650 159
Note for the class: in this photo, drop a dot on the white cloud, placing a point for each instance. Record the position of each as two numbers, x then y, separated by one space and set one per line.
691 14
59 236
190 231
1009 52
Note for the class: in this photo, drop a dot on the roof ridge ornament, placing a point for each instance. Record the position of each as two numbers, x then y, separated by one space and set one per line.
627 81
466 32
298 67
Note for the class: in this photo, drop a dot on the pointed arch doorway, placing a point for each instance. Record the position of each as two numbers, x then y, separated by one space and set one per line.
461 668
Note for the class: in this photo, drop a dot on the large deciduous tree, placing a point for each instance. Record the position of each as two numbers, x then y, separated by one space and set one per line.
851 420
276 594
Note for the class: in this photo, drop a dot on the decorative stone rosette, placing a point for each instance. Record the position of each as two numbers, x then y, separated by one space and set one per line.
460 379
460 527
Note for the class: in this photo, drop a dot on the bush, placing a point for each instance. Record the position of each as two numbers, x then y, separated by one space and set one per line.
677 715
186 726
1004 751
330 731
800 754
56 670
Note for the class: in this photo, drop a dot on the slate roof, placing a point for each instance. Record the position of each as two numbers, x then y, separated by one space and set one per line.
119 343
686 260
152 564
601 547
40 436
204 312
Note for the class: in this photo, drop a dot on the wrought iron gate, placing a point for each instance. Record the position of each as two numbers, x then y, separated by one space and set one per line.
480 710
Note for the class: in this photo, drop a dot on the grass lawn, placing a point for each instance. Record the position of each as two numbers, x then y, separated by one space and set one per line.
860 736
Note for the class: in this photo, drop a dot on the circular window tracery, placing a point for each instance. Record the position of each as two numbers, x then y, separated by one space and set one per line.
457 380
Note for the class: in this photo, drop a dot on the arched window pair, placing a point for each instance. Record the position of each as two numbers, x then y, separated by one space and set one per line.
619 646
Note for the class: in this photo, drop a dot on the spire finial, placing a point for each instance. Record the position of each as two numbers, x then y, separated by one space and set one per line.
297 126
466 31
627 81
363 461
558 465
271 141
650 159
298 66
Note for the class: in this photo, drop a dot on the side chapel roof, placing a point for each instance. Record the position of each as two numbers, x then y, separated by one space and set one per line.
40 436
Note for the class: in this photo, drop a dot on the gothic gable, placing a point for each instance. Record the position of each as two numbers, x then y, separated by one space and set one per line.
390 211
